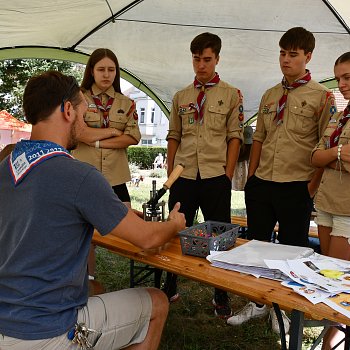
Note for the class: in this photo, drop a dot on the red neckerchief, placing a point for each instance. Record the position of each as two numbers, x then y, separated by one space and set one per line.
105 110
282 102
334 138
201 96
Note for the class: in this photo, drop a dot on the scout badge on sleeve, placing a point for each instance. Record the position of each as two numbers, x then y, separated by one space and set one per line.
81 334
240 108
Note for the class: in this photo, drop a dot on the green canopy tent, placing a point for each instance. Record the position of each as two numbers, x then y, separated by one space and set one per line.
151 37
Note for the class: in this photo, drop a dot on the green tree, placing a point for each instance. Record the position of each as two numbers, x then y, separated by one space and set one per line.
14 75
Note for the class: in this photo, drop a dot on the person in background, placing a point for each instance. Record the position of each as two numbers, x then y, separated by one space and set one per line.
332 200
240 174
158 161
44 300
205 134
281 181
111 126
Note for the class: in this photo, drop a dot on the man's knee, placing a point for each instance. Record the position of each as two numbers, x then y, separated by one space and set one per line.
160 302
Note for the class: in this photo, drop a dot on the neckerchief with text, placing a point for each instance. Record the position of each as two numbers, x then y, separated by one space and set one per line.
28 154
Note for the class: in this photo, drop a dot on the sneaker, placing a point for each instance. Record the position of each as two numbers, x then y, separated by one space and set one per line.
170 291
222 306
251 310
274 322
174 298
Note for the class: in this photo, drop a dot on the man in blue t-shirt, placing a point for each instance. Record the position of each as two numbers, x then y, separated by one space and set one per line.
50 205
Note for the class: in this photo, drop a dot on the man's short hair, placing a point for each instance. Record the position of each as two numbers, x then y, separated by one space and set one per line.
298 38
44 92
345 57
204 41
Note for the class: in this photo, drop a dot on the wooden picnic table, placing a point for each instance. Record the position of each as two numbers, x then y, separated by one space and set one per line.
265 291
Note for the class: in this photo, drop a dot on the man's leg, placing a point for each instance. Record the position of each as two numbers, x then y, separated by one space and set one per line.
130 318
293 206
185 192
215 202
160 307
261 217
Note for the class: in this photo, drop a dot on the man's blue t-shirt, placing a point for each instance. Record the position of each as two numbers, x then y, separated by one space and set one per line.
46 225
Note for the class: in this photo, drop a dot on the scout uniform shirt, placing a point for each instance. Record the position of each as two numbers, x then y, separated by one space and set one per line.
333 193
113 163
286 148
203 144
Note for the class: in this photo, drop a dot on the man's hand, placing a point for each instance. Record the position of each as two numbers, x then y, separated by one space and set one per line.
177 217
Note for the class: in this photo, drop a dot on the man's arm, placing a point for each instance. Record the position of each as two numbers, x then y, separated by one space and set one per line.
171 152
254 158
233 147
147 234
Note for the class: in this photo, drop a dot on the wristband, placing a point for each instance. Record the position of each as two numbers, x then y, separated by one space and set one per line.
97 144
339 151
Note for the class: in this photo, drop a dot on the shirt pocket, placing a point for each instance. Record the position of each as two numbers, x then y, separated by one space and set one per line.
92 119
118 121
187 121
217 118
301 120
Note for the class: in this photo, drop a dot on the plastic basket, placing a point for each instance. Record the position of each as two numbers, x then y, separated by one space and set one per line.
200 239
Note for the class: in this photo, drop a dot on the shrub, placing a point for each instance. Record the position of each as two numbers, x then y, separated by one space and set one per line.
143 156
158 173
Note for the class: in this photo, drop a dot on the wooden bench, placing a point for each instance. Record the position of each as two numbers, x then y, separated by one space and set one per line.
242 221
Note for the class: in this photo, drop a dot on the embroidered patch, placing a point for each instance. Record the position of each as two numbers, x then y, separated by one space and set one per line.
266 108
120 111
220 103
240 117
333 110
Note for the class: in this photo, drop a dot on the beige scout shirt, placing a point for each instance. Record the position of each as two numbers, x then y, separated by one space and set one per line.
203 146
286 149
113 163
333 193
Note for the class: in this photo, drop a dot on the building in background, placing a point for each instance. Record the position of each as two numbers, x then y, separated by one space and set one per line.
153 122
12 129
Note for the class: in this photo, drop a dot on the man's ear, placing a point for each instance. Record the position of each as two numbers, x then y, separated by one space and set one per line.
308 57
217 59
68 111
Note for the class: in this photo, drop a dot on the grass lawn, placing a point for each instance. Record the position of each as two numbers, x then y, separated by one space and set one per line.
191 323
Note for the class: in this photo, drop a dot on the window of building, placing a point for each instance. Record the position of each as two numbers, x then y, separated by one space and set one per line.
152 115
142 115
146 142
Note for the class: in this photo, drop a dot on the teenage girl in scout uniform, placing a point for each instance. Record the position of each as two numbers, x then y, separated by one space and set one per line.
111 122
333 199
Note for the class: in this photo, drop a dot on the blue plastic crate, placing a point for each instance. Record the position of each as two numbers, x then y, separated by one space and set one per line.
200 239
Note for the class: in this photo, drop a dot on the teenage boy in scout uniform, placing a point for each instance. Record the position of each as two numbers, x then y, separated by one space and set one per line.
205 134
281 180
